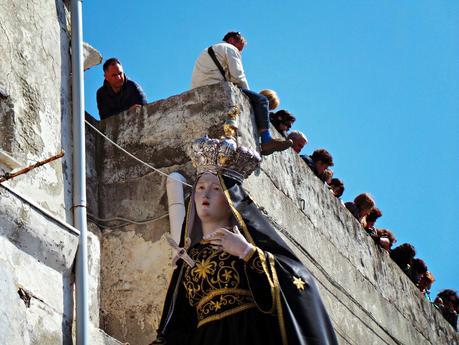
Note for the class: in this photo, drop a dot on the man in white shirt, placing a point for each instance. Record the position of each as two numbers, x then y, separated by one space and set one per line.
226 65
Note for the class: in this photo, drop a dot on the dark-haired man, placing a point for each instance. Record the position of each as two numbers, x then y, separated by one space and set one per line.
447 302
337 187
370 220
118 92
319 161
222 62
282 120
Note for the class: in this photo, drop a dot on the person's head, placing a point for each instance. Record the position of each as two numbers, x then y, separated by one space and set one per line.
322 160
364 203
337 187
450 299
403 254
327 176
282 120
211 203
113 73
386 238
272 98
371 218
236 39
426 281
418 266
299 140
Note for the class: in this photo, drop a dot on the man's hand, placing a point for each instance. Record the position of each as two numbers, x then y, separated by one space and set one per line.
233 243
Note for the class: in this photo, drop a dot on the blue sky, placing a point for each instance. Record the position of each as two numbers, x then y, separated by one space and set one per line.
374 82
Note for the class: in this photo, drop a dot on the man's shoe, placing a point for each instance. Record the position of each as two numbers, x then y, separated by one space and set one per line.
275 145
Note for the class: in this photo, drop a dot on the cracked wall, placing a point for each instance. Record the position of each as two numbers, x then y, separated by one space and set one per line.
36 252
35 103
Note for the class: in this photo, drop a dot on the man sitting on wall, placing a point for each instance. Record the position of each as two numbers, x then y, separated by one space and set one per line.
118 93
222 62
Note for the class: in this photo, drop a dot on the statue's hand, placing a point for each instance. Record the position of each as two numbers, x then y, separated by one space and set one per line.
233 243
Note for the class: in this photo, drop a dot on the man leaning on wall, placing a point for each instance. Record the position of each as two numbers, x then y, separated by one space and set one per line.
118 92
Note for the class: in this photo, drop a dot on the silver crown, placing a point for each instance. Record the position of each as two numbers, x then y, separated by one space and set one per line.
214 155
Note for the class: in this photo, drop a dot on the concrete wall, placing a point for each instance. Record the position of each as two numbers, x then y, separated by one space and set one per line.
369 299
35 97
36 257
36 252
135 261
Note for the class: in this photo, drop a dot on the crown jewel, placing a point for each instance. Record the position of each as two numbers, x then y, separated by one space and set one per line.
214 155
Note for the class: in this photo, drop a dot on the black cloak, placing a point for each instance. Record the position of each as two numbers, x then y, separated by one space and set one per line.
301 315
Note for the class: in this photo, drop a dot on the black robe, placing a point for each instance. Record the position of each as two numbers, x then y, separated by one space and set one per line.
287 290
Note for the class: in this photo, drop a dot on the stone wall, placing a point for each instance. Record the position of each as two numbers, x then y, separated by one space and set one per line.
369 299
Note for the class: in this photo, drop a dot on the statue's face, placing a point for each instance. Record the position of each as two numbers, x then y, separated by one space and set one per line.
211 204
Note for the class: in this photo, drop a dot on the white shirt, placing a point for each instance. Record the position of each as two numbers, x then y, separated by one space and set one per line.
206 72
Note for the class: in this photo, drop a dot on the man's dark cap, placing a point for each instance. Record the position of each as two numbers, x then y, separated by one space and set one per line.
232 34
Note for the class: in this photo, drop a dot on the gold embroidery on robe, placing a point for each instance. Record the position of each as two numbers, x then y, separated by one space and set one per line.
214 286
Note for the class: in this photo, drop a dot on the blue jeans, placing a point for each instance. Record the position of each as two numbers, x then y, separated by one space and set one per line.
260 106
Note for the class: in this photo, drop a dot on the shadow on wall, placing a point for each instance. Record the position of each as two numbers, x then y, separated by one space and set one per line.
6 122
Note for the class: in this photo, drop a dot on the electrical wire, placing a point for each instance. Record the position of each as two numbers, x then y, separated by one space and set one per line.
125 220
134 157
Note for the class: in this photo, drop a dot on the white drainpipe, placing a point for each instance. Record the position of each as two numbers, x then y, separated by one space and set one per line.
176 202
79 176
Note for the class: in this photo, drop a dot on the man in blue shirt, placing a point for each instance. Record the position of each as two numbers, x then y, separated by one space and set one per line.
118 93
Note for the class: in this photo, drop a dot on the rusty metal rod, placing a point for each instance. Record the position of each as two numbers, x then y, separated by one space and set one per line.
9 176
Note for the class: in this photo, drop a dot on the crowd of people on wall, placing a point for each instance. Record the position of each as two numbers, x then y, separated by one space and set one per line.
222 62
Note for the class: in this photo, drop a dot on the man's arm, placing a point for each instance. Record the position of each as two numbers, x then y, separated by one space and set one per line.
102 105
140 96
236 70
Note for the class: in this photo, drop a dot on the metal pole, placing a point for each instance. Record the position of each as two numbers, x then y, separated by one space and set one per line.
79 176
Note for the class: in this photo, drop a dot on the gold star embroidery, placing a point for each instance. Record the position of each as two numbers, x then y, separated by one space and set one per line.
299 283
227 275
217 305
203 268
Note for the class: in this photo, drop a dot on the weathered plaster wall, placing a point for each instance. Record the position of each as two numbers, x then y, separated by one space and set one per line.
35 113
36 252
36 257
37 278
370 301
